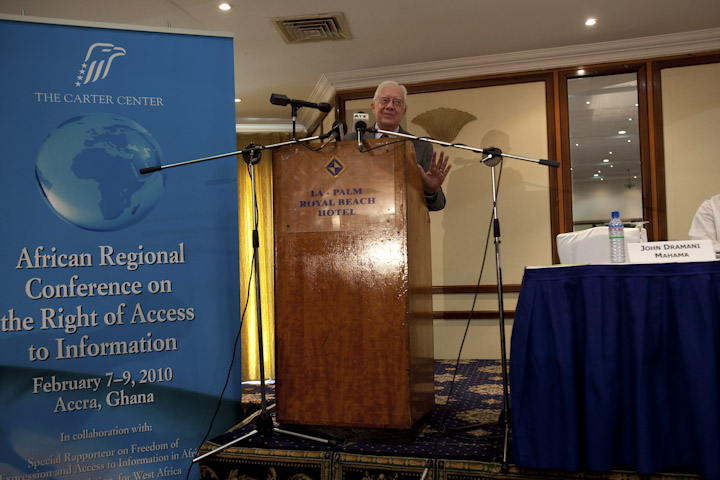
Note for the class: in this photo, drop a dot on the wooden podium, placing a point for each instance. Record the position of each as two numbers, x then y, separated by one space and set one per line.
353 304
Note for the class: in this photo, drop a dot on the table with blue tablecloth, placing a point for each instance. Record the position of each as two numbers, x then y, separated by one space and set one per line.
617 366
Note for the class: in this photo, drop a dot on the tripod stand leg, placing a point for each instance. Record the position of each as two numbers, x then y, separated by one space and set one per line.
506 441
222 447
306 437
474 426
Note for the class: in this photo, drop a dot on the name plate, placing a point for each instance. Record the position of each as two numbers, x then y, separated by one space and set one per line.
675 251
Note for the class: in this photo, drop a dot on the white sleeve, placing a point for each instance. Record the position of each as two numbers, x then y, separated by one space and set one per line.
706 223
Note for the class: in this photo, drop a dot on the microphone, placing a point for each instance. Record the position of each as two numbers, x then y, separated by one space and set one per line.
549 163
282 100
360 120
154 168
337 132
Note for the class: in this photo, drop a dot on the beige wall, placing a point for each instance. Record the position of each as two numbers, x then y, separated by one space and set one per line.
327 122
691 130
512 118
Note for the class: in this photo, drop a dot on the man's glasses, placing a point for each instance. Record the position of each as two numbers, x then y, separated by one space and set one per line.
397 102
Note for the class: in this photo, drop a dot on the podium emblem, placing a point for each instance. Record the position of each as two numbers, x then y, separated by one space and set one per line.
335 167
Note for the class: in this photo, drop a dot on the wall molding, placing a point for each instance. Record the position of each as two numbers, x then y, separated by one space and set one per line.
329 84
529 60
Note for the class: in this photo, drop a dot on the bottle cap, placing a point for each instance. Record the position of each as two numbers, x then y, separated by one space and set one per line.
615 214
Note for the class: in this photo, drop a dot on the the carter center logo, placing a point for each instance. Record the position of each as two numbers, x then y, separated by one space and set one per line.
96 65
334 167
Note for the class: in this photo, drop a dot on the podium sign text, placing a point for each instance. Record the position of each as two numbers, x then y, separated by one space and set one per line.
325 192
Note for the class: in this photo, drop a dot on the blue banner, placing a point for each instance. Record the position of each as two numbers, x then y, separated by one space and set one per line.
119 290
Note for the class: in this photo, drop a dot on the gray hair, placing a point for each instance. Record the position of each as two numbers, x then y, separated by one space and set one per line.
390 83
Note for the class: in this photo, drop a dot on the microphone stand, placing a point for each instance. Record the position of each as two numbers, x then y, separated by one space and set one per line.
493 152
494 157
282 100
246 151
293 114
251 155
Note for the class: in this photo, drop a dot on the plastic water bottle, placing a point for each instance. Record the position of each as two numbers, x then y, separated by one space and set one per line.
617 239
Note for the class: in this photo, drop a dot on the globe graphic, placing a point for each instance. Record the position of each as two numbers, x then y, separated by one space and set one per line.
88 169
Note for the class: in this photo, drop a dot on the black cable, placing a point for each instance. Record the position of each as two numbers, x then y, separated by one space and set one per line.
433 455
472 309
381 145
310 146
232 360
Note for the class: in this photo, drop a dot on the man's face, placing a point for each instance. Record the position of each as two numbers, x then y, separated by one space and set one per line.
389 108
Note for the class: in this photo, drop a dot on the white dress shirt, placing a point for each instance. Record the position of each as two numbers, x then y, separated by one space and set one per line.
706 223
379 135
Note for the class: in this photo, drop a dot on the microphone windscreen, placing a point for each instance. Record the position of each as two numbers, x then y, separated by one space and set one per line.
360 120
278 99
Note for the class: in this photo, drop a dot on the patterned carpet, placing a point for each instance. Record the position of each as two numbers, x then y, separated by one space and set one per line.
475 397
439 449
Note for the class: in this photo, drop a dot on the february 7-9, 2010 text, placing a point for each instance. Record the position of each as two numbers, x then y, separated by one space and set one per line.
76 394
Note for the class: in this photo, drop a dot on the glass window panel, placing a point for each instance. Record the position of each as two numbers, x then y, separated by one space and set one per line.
604 149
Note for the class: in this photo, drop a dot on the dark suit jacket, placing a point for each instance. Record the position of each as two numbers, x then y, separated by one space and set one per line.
423 153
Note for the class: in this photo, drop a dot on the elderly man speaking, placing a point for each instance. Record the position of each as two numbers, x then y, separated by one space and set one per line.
389 107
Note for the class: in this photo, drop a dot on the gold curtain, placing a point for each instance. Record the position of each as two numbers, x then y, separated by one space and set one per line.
263 187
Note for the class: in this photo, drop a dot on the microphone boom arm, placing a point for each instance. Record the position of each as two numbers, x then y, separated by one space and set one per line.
491 152
249 151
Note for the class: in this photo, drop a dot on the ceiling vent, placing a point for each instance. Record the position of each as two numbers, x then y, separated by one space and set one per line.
313 28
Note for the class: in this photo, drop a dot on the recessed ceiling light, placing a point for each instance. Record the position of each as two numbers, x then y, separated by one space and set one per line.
238 100
622 132
590 22
224 7
606 160
581 72
587 102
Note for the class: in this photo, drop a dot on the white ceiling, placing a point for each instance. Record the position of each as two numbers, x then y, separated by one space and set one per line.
409 40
